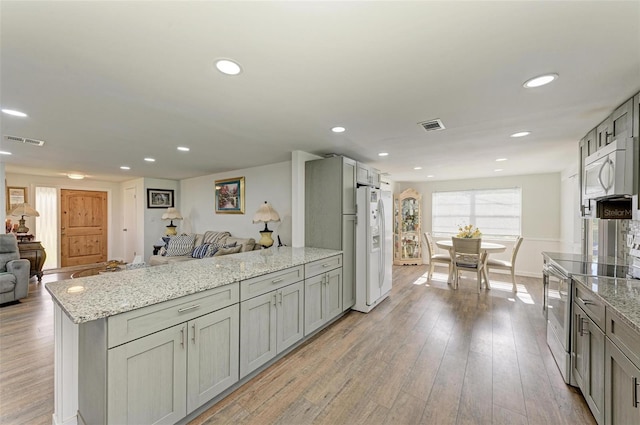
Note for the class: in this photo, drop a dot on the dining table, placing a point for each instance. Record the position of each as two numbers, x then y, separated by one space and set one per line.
485 247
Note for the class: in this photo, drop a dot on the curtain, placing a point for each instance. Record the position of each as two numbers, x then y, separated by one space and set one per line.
47 223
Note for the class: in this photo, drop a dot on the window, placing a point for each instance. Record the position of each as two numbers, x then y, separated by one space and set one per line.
496 212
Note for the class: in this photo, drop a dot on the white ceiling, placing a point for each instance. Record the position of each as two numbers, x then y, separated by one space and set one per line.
106 84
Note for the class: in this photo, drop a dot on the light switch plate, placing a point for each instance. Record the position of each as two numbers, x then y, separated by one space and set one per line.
629 240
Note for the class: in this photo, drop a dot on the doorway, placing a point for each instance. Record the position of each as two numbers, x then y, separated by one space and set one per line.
83 227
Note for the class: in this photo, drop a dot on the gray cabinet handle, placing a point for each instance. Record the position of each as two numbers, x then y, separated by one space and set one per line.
194 333
277 280
182 336
634 391
182 310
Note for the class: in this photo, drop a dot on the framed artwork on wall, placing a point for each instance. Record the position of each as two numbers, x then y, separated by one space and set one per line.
159 198
15 197
230 196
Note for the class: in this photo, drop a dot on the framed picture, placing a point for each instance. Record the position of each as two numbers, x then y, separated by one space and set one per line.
159 198
15 197
230 196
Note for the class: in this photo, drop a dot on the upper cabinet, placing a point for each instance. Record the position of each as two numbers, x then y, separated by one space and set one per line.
608 158
367 176
619 125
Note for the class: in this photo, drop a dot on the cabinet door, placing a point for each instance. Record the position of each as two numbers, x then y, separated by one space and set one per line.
212 363
258 320
604 134
314 303
348 186
375 177
621 387
333 294
579 347
349 261
363 175
622 121
594 370
290 303
147 380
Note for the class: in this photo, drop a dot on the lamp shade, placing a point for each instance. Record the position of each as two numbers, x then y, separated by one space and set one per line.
24 210
172 214
265 214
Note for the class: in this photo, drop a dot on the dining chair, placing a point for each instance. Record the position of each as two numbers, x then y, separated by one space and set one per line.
467 256
505 265
433 257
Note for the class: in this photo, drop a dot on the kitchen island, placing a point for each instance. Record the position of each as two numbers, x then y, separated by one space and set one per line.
600 333
136 346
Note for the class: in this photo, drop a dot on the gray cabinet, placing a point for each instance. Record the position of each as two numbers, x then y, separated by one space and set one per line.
367 175
164 376
322 293
212 355
622 373
269 324
587 361
619 125
330 213
147 380
621 387
156 364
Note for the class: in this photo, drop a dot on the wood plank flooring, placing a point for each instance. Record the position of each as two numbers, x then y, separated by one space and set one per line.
428 354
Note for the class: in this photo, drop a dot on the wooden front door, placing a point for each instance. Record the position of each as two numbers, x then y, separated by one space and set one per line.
83 227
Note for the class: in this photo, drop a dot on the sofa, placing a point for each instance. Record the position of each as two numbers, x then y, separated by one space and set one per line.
14 272
194 246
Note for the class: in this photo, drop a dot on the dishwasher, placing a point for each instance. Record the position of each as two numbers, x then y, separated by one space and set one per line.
557 311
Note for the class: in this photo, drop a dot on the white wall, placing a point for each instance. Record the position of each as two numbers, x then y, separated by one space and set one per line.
154 227
114 204
271 183
540 213
571 222
298 160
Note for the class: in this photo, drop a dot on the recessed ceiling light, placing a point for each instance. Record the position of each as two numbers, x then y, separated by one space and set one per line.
521 134
228 67
75 176
498 170
150 160
124 167
14 113
5 153
430 176
540 80
501 159
383 154
338 129
183 148
417 168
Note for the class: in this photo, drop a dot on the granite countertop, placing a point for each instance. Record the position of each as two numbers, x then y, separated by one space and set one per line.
96 297
621 295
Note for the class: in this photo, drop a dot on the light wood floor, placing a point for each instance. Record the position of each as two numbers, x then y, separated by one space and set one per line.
427 354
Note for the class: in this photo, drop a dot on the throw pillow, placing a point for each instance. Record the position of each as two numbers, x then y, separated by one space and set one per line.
226 251
180 245
201 251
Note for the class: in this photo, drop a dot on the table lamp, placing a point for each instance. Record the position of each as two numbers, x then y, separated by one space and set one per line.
172 214
22 211
265 214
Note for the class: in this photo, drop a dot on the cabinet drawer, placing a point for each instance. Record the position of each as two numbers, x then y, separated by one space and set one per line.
134 324
592 305
623 336
262 284
321 266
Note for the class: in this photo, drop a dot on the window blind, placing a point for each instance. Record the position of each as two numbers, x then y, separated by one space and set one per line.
496 212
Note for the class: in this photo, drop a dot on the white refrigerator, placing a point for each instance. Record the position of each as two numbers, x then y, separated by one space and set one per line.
373 247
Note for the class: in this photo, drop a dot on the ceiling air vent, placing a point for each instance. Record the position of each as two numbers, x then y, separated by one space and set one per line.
432 125
33 142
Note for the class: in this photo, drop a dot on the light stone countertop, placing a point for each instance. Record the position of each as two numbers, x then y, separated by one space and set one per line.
96 297
622 295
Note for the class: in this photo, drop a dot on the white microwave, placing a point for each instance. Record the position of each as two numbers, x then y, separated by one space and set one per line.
609 171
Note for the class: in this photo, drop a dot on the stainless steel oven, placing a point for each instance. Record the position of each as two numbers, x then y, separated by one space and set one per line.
557 310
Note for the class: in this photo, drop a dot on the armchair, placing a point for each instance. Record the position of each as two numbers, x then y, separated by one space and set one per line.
14 272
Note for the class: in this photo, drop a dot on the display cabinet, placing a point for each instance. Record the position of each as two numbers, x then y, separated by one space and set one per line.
407 228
